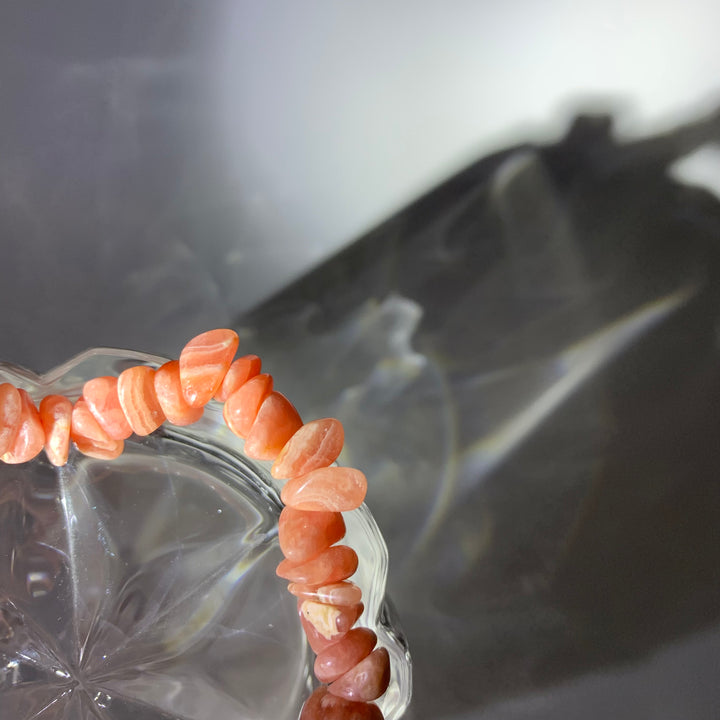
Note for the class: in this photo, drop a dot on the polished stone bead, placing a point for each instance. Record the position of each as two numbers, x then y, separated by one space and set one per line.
330 620
316 640
10 411
240 371
30 437
368 680
276 422
90 438
101 395
56 419
330 566
322 705
242 407
136 390
171 398
204 362
303 534
315 445
344 654
339 489
342 593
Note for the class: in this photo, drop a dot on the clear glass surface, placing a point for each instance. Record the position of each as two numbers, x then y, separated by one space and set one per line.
145 588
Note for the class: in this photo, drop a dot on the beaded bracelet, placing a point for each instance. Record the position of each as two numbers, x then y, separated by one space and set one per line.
353 672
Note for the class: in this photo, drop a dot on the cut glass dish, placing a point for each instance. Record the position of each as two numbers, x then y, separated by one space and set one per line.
144 588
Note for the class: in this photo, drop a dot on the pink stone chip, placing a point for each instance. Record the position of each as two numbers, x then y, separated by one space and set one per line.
303 534
345 654
136 390
368 680
171 398
343 593
10 411
240 371
331 620
242 407
30 437
56 418
204 362
338 489
330 566
277 420
315 445
90 438
321 705
101 395
322 637
316 640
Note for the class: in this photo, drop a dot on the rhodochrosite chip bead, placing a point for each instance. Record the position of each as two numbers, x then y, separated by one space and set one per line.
204 362
170 396
242 407
276 422
339 489
136 390
330 620
101 395
241 370
320 625
10 410
304 535
332 565
321 705
30 437
56 418
345 654
368 680
89 437
315 445
342 593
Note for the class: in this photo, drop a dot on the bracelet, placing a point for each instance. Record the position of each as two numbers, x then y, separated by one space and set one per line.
352 670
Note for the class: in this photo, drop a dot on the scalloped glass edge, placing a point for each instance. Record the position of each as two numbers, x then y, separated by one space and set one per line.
363 533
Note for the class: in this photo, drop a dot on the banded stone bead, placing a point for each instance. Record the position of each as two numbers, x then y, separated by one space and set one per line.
30 436
170 396
303 534
204 362
56 419
315 445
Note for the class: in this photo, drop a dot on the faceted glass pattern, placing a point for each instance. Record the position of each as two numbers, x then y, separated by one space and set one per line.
144 587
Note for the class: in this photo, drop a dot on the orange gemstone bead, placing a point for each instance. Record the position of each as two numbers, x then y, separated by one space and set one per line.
136 390
204 361
241 370
10 411
330 566
321 705
345 654
330 620
316 640
342 593
171 398
276 422
303 535
90 438
30 437
315 445
242 407
338 489
368 680
101 395
56 419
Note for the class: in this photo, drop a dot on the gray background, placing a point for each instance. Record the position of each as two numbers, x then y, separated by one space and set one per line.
166 165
